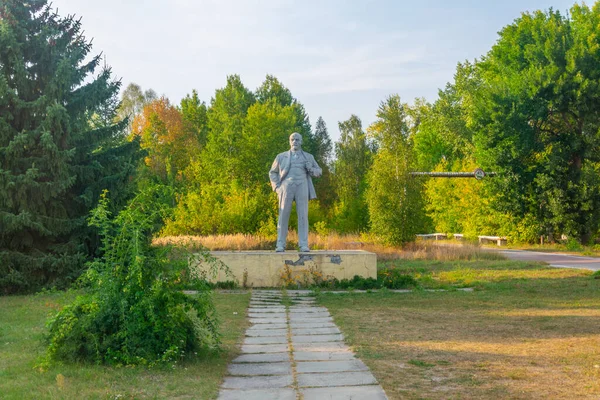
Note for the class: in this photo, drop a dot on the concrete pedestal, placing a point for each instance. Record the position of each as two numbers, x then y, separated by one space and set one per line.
271 269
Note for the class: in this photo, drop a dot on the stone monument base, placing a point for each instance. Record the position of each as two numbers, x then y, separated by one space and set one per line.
271 269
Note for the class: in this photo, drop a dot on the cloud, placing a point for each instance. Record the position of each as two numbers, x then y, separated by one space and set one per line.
384 61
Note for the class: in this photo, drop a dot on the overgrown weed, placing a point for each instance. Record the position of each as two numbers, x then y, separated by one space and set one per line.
419 250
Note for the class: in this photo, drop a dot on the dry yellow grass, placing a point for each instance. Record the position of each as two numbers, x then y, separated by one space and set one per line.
533 338
421 250
217 242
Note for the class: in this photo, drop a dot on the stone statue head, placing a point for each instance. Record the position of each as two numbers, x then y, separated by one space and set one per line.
295 141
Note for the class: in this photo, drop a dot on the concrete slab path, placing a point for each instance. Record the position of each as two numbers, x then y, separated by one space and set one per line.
557 260
296 352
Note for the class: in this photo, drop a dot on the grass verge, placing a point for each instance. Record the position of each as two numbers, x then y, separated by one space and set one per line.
478 274
22 323
530 332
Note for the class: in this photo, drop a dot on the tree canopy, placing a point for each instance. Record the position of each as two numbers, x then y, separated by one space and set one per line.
395 199
529 110
537 119
58 145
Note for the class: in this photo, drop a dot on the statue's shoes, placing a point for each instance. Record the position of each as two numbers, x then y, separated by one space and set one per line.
279 250
304 249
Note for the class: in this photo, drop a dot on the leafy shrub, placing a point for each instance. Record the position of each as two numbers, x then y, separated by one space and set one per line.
268 228
225 285
573 245
386 278
204 284
392 278
321 228
132 312
358 283
224 209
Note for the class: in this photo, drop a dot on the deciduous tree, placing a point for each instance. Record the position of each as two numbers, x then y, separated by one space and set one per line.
395 200
226 117
169 146
354 155
538 119
195 120
133 100
444 129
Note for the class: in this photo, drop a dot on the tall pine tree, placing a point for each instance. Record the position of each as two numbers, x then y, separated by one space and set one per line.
323 148
58 146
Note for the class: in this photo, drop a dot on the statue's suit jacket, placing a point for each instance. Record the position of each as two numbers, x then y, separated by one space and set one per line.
281 167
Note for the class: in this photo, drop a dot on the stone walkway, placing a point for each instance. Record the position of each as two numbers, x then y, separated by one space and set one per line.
295 352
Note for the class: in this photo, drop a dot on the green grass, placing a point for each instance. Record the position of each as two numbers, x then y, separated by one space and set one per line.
526 332
420 363
22 325
567 248
478 274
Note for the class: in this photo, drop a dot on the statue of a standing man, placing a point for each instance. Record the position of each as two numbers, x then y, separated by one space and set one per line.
290 177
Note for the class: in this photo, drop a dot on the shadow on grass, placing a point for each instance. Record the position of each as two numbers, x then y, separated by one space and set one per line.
525 337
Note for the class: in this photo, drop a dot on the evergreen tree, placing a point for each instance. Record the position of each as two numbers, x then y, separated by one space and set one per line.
323 148
58 146
323 144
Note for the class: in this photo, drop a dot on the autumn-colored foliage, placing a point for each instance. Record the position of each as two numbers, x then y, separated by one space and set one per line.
169 146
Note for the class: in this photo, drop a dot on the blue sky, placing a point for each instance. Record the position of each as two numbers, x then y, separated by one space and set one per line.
337 57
